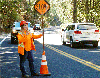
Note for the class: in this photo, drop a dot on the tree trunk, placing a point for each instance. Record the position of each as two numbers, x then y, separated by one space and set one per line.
91 13
87 11
93 8
75 11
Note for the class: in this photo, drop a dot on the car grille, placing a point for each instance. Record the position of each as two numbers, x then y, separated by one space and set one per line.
18 30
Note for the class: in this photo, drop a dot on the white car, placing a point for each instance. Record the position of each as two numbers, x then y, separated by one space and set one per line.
37 27
81 33
63 26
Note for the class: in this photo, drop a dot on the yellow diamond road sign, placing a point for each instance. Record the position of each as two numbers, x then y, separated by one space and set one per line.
42 6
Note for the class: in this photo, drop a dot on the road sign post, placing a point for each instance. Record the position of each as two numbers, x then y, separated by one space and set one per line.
43 33
42 6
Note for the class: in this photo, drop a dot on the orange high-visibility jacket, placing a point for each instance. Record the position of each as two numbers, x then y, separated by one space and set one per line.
26 42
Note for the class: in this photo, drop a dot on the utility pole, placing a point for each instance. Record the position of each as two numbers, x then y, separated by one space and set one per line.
75 11
29 1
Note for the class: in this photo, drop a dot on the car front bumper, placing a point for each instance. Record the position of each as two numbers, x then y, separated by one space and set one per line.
14 37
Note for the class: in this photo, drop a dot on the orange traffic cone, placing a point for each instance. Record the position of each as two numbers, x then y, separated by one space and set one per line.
44 67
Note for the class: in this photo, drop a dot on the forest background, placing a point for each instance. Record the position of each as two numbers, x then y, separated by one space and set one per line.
61 12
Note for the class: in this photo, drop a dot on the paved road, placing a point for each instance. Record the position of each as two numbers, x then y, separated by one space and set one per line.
63 61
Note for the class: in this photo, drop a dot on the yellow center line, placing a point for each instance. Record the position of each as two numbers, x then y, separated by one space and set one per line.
94 66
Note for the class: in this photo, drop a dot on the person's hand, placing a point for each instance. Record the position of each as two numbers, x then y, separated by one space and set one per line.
41 35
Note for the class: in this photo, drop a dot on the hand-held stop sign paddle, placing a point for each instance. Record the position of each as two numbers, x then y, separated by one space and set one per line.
42 6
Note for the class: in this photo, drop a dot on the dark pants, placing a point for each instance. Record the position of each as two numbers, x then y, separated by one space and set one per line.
27 55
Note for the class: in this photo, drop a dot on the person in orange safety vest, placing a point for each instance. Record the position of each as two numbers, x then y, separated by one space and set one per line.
25 47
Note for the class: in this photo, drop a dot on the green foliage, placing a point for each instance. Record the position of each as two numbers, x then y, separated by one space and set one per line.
61 11
10 12
90 13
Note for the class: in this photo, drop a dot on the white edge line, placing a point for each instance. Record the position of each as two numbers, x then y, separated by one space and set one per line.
4 39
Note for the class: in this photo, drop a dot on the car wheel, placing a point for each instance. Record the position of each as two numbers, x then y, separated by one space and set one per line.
71 43
64 43
16 41
95 44
12 40
62 40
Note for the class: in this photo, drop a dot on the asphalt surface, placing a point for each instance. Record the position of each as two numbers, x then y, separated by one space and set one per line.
59 65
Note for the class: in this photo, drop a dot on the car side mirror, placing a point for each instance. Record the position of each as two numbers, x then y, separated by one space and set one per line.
63 30
77 30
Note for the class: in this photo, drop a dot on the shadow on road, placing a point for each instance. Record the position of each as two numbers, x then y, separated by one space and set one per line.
9 59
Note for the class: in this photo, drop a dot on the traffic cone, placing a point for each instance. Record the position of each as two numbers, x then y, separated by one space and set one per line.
44 68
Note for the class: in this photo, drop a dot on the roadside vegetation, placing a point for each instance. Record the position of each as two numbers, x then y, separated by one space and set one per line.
61 11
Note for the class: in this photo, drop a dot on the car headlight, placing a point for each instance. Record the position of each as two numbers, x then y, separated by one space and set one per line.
14 31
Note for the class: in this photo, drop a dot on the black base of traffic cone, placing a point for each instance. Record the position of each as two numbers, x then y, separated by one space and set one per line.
49 74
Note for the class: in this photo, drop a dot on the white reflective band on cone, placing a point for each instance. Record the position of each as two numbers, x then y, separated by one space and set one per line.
43 57
44 63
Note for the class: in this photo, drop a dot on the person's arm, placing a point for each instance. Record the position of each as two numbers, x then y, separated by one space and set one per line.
21 38
36 36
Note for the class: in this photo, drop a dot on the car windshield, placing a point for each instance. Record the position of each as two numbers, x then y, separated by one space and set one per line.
17 24
86 26
37 25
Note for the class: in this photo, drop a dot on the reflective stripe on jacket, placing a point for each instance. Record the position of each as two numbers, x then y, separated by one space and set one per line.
26 42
